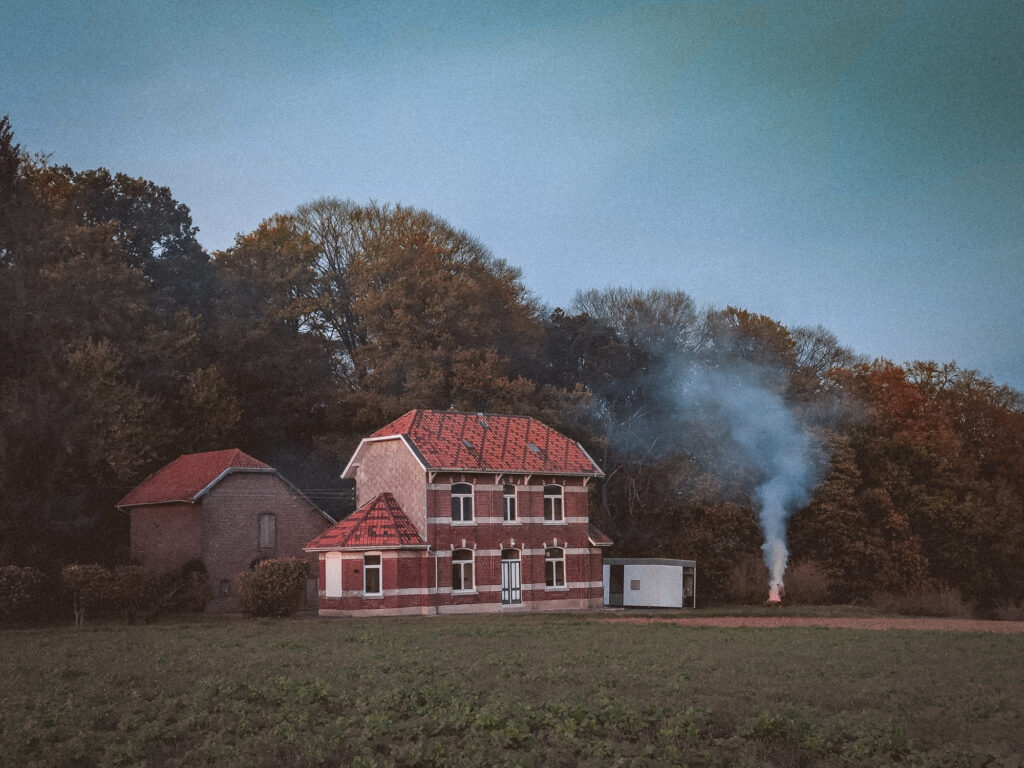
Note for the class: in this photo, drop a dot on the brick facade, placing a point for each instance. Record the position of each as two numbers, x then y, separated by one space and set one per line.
389 466
419 581
208 507
231 536
166 536
434 555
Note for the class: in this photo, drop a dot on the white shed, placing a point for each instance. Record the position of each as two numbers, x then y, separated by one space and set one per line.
650 583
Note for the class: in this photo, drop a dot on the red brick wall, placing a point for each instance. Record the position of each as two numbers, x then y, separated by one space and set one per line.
165 536
231 512
486 536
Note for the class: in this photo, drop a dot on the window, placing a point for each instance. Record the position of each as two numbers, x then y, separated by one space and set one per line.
371 575
552 503
332 573
554 567
462 502
462 571
508 504
268 531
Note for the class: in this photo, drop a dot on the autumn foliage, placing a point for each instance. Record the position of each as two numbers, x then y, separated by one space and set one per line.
126 344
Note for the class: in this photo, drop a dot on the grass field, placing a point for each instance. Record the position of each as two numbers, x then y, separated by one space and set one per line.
531 690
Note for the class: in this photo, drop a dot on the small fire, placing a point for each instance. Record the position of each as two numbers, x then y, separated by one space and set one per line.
776 592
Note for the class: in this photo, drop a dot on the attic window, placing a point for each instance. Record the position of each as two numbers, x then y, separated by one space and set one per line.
533 447
468 444
483 421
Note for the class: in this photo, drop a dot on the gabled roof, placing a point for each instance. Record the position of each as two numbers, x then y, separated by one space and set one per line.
190 476
485 442
597 538
378 524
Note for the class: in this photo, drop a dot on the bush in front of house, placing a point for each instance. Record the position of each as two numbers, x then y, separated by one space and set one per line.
22 592
135 593
186 589
91 588
274 587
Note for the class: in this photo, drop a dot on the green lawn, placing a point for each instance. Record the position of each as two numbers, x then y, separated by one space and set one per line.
505 690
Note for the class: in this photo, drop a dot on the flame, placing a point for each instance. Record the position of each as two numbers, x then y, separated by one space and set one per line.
775 593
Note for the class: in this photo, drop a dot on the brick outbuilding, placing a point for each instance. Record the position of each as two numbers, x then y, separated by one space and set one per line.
224 509
464 512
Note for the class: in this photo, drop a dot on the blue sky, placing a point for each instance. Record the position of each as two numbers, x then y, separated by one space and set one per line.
858 165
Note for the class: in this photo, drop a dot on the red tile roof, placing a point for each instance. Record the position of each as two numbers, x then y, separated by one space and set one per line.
450 440
185 478
378 524
597 537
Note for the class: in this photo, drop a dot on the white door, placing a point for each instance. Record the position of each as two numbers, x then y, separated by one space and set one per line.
511 578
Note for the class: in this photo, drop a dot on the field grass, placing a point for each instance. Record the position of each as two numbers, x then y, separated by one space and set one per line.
531 690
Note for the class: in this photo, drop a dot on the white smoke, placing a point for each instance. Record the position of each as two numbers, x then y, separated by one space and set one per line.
765 438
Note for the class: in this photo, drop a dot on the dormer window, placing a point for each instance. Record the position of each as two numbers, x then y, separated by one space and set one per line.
553 507
462 503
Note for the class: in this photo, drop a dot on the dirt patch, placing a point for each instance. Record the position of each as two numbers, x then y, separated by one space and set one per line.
931 624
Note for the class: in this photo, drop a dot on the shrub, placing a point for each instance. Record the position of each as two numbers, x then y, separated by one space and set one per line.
186 589
748 581
806 583
1008 610
274 587
21 592
943 601
135 592
91 587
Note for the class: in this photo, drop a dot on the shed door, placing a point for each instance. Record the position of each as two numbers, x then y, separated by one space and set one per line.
511 578
616 582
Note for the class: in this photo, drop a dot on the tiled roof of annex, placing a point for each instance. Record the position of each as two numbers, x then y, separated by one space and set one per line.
378 524
185 478
489 442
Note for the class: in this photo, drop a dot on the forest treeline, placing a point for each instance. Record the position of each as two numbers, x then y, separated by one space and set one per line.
126 344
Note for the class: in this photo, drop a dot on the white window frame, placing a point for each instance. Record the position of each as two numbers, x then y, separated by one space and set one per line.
379 568
554 503
333 568
459 565
271 528
557 565
462 503
509 504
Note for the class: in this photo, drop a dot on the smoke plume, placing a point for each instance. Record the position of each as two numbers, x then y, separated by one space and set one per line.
764 437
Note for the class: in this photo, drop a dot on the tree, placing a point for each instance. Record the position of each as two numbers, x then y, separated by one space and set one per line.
272 369
431 301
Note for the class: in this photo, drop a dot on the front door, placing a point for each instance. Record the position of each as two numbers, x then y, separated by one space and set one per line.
511 581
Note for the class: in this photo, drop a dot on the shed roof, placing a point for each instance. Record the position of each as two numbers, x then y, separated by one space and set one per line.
378 524
598 538
486 442
189 476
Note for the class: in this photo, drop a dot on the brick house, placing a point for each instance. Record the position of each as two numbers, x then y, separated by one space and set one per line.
463 512
224 509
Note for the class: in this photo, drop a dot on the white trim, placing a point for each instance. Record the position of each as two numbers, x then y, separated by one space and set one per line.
357 454
461 566
520 520
231 471
593 463
379 567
